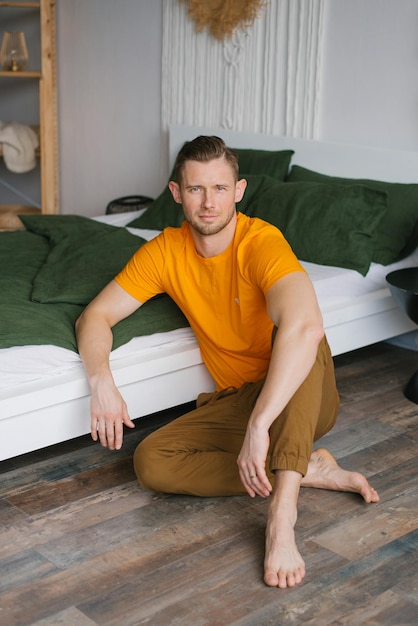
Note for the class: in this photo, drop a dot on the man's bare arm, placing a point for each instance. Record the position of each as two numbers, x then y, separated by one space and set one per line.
94 338
293 308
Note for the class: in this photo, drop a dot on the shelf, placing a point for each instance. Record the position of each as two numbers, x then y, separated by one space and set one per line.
21 5
9 213
18 74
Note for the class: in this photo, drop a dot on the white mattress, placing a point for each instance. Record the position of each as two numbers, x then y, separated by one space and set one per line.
333 285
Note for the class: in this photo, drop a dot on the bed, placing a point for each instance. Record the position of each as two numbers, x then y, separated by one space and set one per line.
44 396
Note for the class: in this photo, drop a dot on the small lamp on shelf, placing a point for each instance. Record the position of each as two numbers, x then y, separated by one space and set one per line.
14 53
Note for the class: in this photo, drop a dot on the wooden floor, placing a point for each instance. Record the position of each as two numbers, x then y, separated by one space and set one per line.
82 544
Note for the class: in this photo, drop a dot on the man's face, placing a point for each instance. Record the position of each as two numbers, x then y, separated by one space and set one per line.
208 192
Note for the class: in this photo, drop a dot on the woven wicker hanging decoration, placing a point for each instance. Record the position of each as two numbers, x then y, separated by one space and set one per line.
223 17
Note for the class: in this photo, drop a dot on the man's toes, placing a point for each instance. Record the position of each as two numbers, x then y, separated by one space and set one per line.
284 581
283 578
271 579
291 580
373 496
369 494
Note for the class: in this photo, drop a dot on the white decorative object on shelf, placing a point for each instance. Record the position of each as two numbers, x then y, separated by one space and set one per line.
19 143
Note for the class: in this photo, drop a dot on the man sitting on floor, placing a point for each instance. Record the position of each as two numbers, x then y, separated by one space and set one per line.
254 312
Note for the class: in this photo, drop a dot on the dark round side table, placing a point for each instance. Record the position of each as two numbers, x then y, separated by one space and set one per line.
403 285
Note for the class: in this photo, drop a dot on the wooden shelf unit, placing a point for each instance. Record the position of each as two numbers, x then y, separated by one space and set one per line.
48 128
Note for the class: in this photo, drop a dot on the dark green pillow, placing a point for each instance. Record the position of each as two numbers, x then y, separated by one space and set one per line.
84 256
164 211
325 224
269 162
257 186
398 231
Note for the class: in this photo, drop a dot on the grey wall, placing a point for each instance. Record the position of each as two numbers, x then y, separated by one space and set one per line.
369 89
109 75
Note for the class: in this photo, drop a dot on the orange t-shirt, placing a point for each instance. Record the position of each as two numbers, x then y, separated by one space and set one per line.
223 297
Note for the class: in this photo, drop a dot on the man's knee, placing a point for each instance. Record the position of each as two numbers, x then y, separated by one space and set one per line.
148 464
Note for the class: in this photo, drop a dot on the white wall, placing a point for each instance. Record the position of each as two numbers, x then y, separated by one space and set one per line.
109 84
109 68
369 92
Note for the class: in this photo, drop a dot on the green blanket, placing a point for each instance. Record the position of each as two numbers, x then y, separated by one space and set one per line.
50 272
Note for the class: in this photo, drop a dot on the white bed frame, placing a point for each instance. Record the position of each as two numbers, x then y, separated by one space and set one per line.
51 411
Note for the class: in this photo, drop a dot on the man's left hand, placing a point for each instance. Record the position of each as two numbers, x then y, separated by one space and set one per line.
252 462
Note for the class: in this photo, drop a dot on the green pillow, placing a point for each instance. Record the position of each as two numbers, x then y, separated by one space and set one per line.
325 224
164 211
398 231
268 162
257 185
84 256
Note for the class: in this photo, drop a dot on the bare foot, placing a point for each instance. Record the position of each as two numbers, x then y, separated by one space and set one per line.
325 473
283 564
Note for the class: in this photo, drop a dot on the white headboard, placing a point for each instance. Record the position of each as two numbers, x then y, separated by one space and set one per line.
335 159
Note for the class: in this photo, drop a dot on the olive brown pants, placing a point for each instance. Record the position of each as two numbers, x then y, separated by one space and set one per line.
197 453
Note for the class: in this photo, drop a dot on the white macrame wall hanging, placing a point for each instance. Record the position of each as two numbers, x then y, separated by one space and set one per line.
264 78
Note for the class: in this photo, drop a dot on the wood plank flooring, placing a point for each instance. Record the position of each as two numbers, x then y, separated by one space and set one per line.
82 545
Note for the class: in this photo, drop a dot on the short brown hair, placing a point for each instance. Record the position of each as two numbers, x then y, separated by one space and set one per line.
204 149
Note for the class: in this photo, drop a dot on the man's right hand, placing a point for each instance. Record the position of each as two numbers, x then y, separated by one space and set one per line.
108 415
94 338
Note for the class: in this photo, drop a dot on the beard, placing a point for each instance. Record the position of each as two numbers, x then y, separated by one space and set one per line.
211 228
